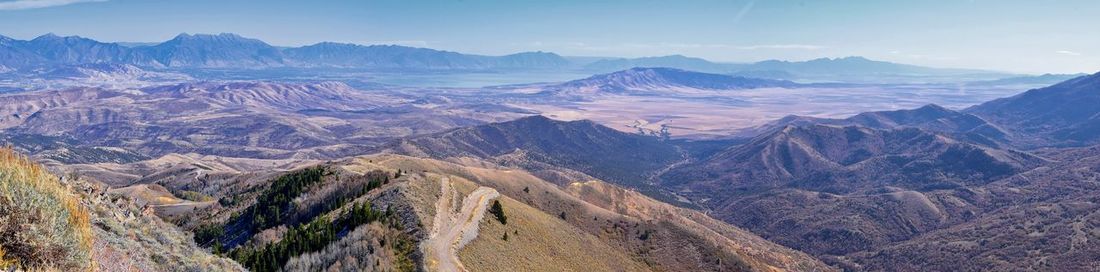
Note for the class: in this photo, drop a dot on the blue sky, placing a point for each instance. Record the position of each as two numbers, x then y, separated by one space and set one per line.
1035 36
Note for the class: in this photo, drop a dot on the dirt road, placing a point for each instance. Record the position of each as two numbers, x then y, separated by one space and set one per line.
454 227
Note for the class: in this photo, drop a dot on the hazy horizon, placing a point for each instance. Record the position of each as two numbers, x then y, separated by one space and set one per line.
1011 36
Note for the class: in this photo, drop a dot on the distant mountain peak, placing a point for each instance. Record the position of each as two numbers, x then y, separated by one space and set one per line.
48 36
335 44
182 37
534 118
672 61
535 53
848 60
934 108
853 58
664 79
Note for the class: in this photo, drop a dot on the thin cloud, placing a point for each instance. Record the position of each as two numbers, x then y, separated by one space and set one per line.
1067 52
34 4
729 46
781 46
741 13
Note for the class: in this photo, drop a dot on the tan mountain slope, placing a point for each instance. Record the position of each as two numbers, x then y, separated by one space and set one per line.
664 237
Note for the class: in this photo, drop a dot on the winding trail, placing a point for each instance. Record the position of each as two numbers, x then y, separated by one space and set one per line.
454 228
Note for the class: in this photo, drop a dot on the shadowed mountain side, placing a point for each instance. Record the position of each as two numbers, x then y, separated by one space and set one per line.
833 191
1036 220
550 148
848 159
963 126
1064 114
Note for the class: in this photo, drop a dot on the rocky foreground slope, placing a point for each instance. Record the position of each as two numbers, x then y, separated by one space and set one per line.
71 224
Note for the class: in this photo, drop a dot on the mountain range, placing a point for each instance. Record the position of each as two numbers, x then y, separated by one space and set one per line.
231 51
852 68
656 78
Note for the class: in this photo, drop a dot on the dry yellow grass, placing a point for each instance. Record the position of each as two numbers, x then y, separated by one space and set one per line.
675 239
42 222
540 242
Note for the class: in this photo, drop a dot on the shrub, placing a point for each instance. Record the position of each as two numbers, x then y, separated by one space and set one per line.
43 225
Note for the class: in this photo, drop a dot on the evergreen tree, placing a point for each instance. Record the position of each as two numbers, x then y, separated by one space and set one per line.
498 211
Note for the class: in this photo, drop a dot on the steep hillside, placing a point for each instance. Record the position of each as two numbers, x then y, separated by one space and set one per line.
553 149
847 159
51 223
1040 220
963 126
627 222
833 191
1044 79
1064 114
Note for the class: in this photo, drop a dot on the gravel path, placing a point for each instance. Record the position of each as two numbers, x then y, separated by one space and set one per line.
454 228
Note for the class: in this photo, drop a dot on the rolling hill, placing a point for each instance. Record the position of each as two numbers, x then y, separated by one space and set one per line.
261 119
